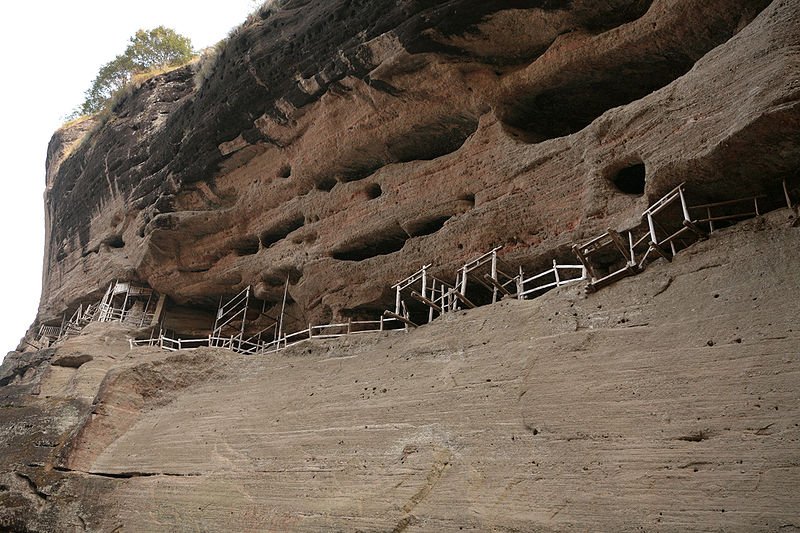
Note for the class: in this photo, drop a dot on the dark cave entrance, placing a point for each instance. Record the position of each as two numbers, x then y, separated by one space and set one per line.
631 179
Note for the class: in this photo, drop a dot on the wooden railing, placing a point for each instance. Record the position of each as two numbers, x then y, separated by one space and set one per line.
233 343
558 279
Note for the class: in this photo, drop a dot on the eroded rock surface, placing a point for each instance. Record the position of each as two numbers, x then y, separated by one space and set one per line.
344 144
340 146
666 402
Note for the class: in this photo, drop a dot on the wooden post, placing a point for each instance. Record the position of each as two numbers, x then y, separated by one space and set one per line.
244 312
653 237
397 301
433 297
555 273
710 221
464 280
424 282
125 302
146 307
630 248
453 301
283 306
494 275
786 194
381 324
683 205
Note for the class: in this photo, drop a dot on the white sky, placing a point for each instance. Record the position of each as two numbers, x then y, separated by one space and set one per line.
50 51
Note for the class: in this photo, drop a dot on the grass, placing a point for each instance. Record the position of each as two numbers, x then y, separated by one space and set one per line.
210 57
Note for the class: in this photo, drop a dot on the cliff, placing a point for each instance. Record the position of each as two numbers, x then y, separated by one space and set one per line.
345 144
665 402
329 149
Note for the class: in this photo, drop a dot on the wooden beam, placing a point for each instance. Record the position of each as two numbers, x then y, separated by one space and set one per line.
401 318
616 239
697 231
162 299
463 299
660 251
786 194
420 298
497 285
578 251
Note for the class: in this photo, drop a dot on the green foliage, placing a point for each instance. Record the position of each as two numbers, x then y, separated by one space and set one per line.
148 50
159 47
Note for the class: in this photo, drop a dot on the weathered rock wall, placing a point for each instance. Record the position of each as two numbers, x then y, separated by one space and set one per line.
665 402
344 144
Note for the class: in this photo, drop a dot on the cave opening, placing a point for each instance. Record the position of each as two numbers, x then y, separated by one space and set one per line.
115 242
427 226
539 111
386 242
246 246
281 230
631 179
325 184
373 190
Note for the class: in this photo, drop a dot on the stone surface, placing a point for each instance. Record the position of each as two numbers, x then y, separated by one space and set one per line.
345 144
665 402
340 146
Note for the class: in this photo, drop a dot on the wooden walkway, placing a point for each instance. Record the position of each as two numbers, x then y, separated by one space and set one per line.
666 227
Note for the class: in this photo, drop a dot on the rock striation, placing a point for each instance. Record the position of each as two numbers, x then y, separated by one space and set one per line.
331 148
667 402
344 144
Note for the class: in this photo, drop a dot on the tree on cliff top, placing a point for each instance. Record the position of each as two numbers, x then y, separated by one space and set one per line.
148 50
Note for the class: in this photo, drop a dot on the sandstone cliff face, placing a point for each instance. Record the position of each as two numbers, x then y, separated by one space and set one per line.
343 144
665 402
